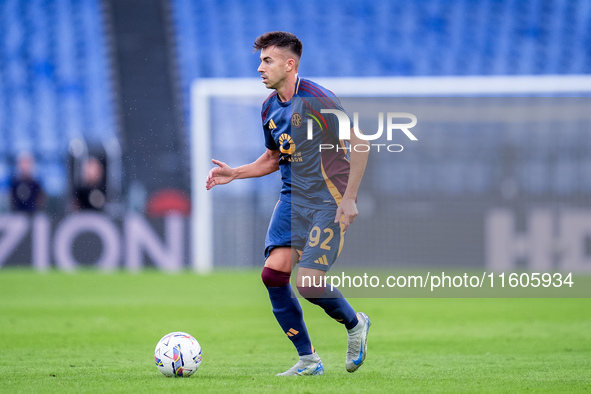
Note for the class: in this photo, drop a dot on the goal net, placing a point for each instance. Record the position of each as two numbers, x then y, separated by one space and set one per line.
497 178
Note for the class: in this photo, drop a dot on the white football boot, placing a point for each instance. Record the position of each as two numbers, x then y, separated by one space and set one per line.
357 343
307 365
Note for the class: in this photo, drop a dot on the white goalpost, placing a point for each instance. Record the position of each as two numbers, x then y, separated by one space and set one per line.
203 91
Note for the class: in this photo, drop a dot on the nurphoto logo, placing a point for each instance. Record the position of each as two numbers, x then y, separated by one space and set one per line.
391 126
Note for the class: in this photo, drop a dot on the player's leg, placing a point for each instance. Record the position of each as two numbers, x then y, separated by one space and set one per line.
323 246
288 312
312 287
286 307
337 307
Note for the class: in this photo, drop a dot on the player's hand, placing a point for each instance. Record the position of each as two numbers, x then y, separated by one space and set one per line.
219 175
346 213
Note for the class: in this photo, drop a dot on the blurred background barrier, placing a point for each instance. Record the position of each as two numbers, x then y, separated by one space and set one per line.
93 240
99 125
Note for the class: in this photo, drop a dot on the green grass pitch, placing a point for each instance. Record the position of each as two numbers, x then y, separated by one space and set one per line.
94 332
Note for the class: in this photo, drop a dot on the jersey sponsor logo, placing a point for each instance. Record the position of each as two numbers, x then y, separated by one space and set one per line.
272 124
286 144
296 120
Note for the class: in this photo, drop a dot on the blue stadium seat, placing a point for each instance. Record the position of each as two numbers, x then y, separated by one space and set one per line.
55 86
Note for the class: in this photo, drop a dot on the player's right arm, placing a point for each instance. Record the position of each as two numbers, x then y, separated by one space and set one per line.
266 164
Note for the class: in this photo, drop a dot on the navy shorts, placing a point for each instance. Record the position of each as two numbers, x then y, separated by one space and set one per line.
312 232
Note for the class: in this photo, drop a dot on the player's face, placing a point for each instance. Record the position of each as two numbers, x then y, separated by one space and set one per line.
274 66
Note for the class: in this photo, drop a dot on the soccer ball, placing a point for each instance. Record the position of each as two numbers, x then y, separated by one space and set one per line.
177 354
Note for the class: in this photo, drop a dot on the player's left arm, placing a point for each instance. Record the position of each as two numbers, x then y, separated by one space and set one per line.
347 210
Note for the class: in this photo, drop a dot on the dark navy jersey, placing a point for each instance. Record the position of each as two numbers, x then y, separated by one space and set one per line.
311 177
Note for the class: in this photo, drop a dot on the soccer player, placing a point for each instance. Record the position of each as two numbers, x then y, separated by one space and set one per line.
309 229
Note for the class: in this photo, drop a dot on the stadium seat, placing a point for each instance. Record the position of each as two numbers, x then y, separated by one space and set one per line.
56 88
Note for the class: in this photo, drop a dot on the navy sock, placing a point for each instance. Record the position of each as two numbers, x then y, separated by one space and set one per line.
335 306
288 312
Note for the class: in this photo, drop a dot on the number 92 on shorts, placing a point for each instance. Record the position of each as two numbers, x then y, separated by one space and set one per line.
311 231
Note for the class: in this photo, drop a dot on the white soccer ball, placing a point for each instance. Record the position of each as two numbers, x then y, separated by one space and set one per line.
178 354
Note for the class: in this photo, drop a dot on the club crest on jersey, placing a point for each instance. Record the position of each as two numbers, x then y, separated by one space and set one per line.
286 144
296 120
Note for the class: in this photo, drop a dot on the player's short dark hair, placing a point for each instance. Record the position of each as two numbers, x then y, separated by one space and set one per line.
280 39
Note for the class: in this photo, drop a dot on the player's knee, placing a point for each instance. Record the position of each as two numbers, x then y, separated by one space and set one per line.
274 278
310 292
